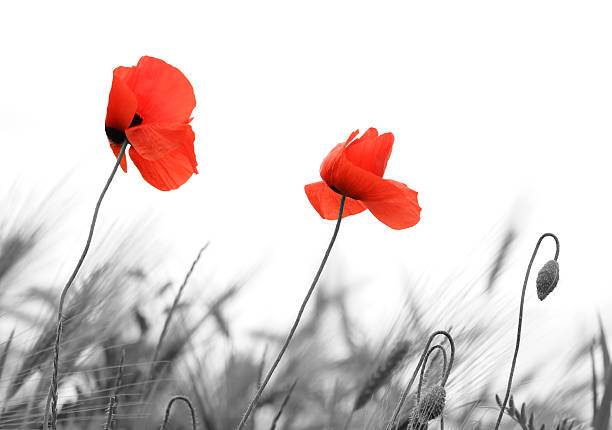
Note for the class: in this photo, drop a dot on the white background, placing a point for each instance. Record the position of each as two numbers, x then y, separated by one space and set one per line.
501 111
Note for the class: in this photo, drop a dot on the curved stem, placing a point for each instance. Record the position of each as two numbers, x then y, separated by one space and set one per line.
185 399
424 366
257 395
60 323
392 424
520 323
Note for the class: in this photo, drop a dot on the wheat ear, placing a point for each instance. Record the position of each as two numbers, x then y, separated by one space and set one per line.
382 374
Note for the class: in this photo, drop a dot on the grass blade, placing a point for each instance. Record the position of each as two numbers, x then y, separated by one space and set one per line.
604 349
5 351
282 407
602 420
594 382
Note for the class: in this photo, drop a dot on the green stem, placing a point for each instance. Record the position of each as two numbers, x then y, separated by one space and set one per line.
257 395
52 396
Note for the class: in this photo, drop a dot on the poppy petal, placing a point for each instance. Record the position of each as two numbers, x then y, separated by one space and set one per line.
352 181
352 136
371 152
394 204
170 171
122 105
327 202
116 150
123 72
164 94
154 141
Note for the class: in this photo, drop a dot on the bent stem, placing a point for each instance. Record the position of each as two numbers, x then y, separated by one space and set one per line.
520 323
392 424
194 424
424 366
262 386
52 396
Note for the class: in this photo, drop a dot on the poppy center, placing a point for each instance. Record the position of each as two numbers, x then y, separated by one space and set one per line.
118 136
335 189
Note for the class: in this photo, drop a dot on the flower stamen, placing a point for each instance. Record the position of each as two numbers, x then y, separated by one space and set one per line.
118 136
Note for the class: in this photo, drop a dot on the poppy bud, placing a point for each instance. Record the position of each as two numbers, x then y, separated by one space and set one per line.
548 276
412 422
432 403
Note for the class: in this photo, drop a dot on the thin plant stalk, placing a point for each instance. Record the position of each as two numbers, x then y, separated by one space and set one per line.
28 416
263 385
175 303
5 351
331 406
194 424
262 364
349 419
594 383
392 424
282 406
424 366
520 323
260 371
113 400
60 324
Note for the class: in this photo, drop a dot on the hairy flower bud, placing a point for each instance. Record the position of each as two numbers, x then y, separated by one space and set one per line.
412 421
432 403
548 276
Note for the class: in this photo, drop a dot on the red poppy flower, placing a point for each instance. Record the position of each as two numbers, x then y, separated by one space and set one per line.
150 105
355 169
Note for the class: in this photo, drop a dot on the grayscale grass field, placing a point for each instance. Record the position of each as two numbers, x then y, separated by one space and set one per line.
116 374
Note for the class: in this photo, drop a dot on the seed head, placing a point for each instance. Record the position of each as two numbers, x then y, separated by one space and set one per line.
382 374
548 276
432 403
